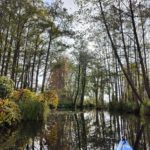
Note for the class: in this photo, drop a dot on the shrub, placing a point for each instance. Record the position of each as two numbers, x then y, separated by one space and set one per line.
52 98
124 107
89 103
22 95
32 106
145 109
33 110
6 87
66 104
9 112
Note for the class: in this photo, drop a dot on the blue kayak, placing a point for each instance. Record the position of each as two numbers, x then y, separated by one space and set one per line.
123 145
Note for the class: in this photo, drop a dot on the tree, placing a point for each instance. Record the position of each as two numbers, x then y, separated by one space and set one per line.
28 30
120 20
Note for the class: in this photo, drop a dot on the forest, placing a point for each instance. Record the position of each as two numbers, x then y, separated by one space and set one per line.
96 57
74 78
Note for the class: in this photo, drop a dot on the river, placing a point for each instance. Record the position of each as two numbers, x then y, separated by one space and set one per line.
89 130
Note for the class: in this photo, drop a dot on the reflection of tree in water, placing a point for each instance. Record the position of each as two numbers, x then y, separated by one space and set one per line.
100 133
78 131
91 131
81 131
17 139
103 130
58 133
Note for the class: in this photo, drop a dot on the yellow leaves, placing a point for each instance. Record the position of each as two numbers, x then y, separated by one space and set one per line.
32 106
23 95
51 97
6 87
15 96
41 13
52 135
9 112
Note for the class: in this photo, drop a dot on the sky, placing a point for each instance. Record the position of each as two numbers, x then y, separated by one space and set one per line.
69 4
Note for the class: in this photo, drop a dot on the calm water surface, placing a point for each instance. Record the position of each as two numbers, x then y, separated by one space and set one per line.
78 131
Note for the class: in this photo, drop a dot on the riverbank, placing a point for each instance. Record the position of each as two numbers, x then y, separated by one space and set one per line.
117 107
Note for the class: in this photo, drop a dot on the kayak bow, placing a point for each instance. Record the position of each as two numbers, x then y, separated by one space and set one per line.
123 145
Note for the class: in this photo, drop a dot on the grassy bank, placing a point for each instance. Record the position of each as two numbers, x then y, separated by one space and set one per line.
117 107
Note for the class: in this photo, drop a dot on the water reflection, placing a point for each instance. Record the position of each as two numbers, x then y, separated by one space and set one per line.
78 131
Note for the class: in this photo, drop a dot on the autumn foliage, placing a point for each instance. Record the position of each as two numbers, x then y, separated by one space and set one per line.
32 106
6 87
23 95
9 112
51 97
58 74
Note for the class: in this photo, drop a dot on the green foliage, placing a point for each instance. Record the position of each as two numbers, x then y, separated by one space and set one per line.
89 103
147 103
52 98
123 107
145 109
33 110
6 87
9 112
66 104
32 106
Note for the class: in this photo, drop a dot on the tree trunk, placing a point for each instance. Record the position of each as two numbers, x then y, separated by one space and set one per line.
46 63
5 50
83 83
145 76
78 86
33 64
8 57
117 56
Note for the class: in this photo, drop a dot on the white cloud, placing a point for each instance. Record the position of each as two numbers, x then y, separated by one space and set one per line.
70 5
48 1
